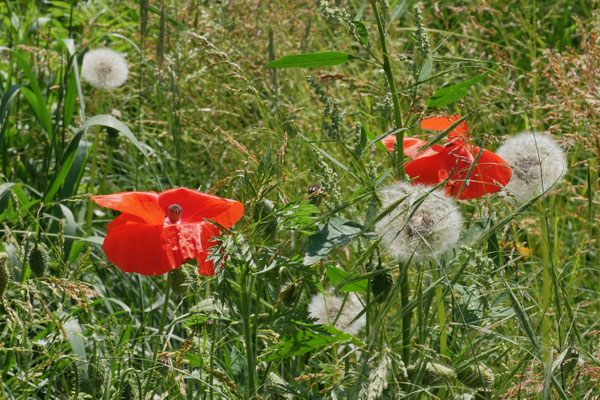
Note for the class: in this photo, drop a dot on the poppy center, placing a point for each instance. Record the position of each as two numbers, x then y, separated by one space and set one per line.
174 213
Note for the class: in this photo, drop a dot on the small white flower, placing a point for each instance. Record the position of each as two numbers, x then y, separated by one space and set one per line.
104 68
538 162
423 225
327 308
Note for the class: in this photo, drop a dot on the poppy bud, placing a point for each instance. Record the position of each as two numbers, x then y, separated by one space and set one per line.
179 280
174 213
3 273
381 284
479 379
38 259
288 295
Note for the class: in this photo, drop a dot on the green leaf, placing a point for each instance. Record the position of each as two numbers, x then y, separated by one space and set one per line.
338 276
309 339
398 7
112 122
449 94
73 177
311 60
337 232
65 166
75 335
34 96
426 69
363 34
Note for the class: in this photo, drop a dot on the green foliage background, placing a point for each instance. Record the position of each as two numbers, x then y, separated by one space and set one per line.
201 110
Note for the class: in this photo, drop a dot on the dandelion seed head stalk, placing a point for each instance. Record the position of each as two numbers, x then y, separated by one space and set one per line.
538 163
104 69
327 307
425 223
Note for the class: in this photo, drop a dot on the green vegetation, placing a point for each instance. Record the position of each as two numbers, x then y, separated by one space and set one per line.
281 105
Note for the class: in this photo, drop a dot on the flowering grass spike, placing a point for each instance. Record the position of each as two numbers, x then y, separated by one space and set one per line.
104 68
158 232
423 225
538 163
470 171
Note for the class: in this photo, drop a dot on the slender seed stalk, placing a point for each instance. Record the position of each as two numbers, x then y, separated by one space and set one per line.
406 319
387 68
245 299
546 287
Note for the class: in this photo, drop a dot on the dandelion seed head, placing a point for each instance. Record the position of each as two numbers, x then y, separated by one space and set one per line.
423 225
538 163
327 307
104 68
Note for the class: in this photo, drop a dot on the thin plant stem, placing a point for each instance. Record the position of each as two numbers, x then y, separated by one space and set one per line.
245 307
161 327
90 209
387 68
406 319
441 311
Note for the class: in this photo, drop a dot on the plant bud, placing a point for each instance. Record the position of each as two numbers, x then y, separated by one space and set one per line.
471 377
39 259
434 373
381 284
179 281
3 273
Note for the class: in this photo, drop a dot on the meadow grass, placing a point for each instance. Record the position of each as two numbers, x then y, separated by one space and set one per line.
510 311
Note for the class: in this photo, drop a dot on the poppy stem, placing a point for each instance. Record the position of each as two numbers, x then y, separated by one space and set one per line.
161 327
387 68
245 299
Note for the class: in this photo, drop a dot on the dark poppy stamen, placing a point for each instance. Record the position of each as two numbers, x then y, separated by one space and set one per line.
174 213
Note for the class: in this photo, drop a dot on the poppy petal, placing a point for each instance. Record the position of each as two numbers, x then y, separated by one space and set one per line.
138 248
124 219
412 146
461 131
207 267
490 174
189 241
444 163
141 204
198 206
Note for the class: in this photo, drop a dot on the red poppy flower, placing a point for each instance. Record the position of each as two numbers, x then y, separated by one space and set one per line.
157 232
458 161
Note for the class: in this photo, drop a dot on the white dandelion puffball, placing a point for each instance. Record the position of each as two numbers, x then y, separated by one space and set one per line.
104 68
538 162
424 224
327 308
